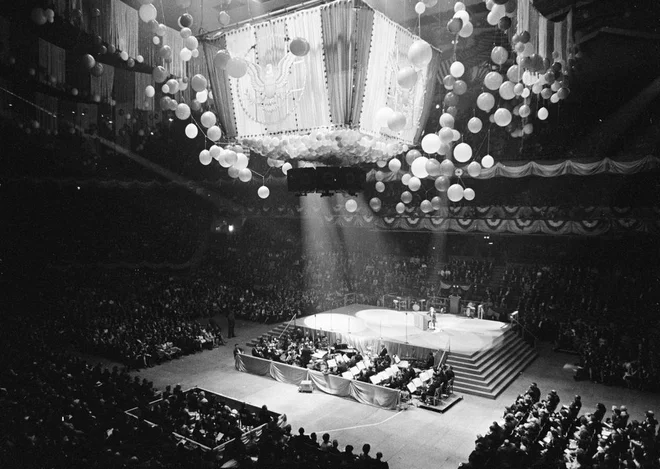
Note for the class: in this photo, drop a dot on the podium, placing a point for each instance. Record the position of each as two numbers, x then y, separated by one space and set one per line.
454 304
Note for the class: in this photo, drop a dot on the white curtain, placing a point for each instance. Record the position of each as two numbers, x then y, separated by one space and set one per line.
314 108
142 102
378 82
173 39
52 59
125 19
103 85
389 53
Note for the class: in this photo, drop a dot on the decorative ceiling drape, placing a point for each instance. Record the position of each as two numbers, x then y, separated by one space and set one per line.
339 22
219 80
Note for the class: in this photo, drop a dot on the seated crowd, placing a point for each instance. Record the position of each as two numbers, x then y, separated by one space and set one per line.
586 310
539 433
59 411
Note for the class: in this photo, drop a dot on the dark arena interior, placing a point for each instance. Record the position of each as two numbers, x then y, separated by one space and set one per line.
355 234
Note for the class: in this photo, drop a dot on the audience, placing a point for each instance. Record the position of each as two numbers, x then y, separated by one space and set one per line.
540 434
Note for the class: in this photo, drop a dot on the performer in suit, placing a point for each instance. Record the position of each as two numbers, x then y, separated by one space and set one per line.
383 351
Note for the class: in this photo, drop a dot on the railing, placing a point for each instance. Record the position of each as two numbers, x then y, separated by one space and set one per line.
524 332
293 319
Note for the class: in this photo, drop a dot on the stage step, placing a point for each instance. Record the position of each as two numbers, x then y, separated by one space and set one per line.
488 373
274 332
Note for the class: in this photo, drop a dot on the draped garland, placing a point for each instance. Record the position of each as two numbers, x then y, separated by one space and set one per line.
567 167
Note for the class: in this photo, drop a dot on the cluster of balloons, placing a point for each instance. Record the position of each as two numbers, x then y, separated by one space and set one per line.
324 144
460 23
41 16
500 13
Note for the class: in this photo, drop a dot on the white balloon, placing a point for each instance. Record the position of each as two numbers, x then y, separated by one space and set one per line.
351 205
457 69
463 152
191 131
241 161
400 208
418 167
542 114
394 165
474 169
147 12
487 161
502 117
455 192
182 111
244 174
380 187
475 125
406 197
431 143
205 157
466 30
383 115
405 179
214 133
149 91
263 192
414 184
458 6
208 119
468 193
447 120
202 96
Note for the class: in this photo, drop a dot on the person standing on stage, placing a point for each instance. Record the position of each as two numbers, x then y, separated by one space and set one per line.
432 317
231 322
480 311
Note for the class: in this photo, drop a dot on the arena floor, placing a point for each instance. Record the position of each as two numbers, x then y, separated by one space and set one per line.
414 438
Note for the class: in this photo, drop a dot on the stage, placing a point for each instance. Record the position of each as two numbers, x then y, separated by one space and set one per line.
368 326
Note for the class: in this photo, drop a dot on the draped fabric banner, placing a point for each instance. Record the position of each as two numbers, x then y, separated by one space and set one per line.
280 92
606 165
567 167
389 48
594 224
365 393
53 60
219 80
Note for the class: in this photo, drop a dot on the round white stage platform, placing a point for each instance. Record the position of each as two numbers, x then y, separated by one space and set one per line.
460 334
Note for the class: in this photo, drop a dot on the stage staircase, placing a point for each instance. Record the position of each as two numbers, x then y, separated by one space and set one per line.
274 332
488 373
